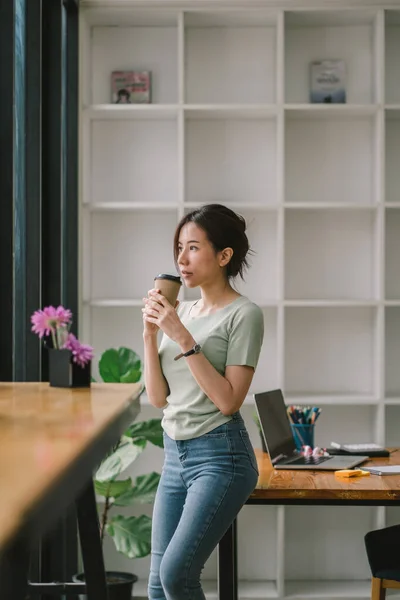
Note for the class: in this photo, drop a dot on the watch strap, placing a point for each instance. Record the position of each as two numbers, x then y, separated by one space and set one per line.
195 350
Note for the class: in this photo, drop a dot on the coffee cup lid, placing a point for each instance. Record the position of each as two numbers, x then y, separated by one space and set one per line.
167 276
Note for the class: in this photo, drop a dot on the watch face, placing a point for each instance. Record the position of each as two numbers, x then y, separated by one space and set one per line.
197 348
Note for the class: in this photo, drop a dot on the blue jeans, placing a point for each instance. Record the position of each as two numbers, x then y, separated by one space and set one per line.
204 483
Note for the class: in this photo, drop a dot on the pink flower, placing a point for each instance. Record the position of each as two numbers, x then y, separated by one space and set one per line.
81 353
46 321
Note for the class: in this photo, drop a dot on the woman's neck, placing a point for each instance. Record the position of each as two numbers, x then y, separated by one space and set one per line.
216 296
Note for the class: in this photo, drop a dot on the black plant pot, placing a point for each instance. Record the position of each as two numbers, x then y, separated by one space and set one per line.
63 372
119 585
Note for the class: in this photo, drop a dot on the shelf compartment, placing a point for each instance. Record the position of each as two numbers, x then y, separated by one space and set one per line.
142 148
266 376
329 111
392 152
130 206
330 160
392 52
307 553
256 542
117 16
392 253
330 351
346 424
332 399
392 336
113 328
261 280
230 111
316 35
392 418
392 517
128 250
247 590
328 589
330 255
151 48
114 303
216 151
222 53
131 111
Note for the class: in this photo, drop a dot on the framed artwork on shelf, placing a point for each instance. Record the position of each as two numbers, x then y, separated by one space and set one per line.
328 82
131 87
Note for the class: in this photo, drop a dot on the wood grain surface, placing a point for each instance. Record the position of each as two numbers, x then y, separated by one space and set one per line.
324 485
43 430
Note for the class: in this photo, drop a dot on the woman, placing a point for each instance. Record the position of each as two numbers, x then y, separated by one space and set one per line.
200 377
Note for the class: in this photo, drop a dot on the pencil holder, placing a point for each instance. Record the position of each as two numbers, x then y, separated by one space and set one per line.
303 435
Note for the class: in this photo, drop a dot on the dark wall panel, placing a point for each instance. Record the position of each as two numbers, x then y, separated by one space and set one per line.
7 29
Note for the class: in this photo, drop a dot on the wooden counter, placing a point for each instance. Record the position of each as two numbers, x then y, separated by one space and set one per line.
50 441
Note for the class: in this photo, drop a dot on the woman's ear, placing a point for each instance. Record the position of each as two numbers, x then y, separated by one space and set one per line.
225 256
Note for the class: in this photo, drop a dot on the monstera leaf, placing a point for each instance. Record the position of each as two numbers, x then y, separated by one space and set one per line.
120 365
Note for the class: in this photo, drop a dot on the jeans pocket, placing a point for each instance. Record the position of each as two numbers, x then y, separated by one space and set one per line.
249 449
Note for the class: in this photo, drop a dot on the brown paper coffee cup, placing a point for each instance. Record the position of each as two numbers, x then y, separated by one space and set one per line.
169 286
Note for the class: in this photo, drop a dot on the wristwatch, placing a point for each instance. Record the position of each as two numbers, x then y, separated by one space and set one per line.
195 350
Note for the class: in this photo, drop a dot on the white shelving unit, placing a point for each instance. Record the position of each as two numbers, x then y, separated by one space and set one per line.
319 186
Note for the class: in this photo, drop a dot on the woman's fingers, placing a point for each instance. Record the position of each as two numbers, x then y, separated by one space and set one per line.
155 295
151 311
154 305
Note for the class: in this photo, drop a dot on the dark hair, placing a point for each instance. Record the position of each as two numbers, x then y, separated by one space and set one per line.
224 229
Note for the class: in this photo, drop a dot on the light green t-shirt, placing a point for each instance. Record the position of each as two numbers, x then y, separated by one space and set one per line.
232 335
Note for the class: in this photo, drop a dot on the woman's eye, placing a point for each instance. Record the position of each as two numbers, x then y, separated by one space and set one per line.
193 248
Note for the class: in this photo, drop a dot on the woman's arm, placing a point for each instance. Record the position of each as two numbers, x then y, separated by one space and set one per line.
226 392
155 382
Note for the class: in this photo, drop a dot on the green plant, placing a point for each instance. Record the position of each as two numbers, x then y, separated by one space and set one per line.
257 421
131 535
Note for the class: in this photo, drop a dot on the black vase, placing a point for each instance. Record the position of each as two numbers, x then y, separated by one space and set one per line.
63 372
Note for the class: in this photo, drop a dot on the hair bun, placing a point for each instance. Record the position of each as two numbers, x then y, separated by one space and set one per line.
224 229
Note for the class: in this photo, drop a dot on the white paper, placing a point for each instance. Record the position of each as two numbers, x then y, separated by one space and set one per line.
383 469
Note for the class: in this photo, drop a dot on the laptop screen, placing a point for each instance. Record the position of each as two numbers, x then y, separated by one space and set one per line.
275 424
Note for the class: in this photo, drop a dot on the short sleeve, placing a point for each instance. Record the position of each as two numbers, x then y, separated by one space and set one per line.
246 336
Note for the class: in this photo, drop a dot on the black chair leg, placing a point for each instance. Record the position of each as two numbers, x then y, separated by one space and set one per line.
14 564
92 554
227 565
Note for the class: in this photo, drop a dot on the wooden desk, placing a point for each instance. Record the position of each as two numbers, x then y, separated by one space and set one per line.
51 440
306 488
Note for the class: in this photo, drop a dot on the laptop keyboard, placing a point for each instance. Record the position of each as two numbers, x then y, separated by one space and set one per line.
307 460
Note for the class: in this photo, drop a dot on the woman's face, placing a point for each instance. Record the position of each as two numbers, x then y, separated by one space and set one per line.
198 262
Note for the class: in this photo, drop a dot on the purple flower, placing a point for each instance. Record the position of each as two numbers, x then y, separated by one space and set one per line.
46 321
81 353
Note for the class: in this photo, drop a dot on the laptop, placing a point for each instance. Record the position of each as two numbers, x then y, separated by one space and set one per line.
279 440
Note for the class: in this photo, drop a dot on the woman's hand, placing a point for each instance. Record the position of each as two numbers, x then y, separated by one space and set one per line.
159 314
149 329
